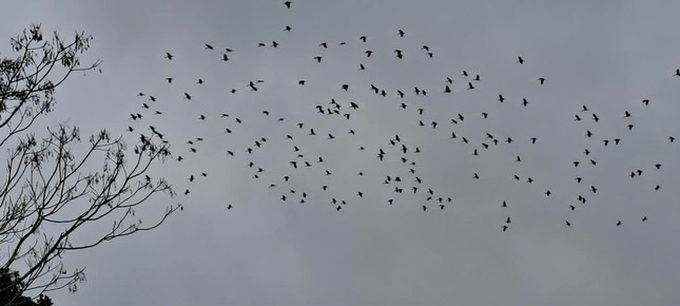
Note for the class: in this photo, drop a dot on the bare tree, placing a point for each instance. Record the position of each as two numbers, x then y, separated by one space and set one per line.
49 192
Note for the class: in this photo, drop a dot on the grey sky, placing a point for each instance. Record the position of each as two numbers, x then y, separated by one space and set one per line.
608 55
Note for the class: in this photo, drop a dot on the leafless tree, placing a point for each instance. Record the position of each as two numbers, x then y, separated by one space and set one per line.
48 191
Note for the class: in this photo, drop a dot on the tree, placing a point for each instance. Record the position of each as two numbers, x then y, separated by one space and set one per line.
49 193
11 286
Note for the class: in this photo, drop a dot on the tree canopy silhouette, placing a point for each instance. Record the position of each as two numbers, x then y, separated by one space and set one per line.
49 188
11 286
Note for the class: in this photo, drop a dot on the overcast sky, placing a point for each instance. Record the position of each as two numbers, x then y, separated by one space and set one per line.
606 55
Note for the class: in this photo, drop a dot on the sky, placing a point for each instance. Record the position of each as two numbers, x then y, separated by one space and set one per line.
607 56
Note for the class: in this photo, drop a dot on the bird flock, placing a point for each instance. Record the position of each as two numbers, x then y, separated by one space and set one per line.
325 147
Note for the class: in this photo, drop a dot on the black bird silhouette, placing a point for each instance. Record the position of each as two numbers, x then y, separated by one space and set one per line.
541 80
362 38
287 3
208 47
401 33
168 55
520 60
500 98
